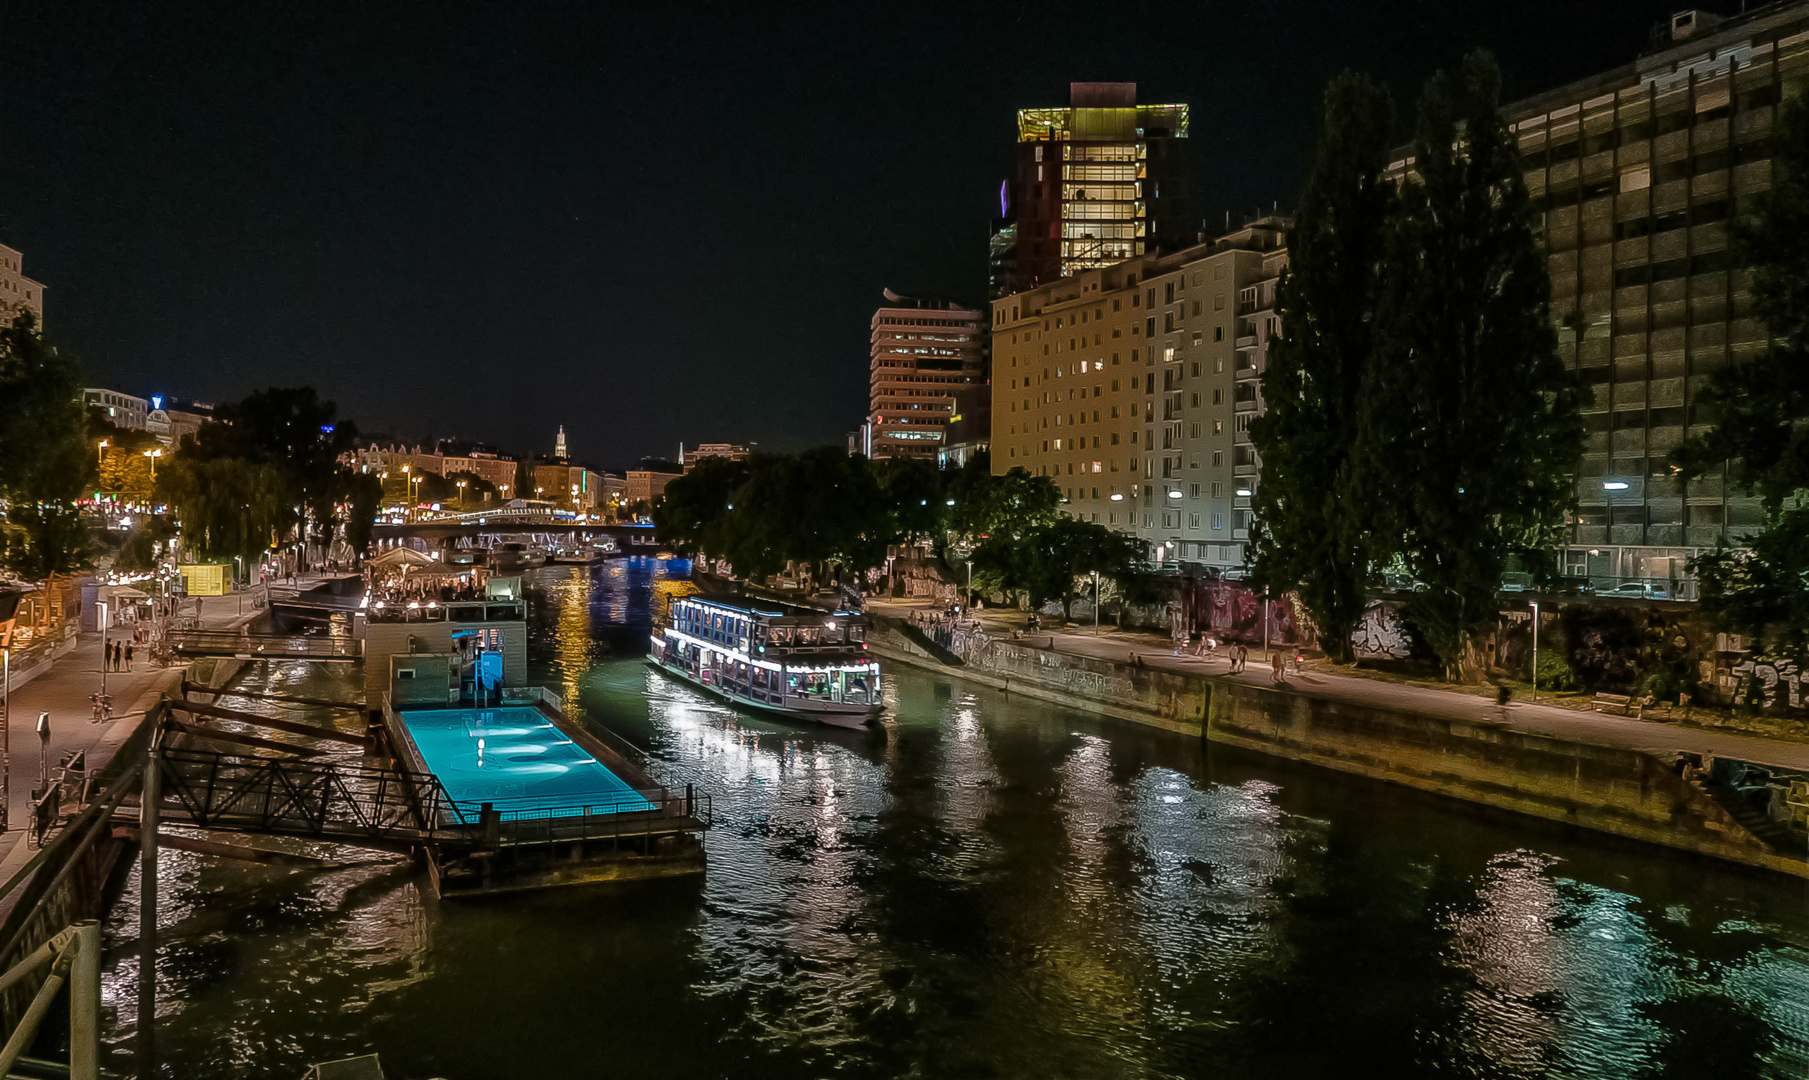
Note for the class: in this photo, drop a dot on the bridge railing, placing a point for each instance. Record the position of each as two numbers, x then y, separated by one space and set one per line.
236 643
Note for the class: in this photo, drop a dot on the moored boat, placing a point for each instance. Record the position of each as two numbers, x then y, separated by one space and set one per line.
796 662
517 555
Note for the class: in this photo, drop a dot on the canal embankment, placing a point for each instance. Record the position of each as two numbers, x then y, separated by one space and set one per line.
1621 779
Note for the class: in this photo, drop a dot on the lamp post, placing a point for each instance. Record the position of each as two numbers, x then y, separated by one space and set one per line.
1095 603
102 605
154 455
100 455
1535 696
970 586
461 494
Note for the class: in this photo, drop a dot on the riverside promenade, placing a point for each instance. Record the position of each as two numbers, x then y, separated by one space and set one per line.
1320 680
63 692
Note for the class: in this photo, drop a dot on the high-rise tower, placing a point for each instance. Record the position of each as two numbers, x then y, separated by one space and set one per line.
559 445
1100 181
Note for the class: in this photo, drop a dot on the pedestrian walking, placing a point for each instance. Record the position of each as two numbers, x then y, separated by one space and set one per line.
128 656
1278 662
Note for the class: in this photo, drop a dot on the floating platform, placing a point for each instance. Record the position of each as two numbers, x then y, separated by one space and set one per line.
540 801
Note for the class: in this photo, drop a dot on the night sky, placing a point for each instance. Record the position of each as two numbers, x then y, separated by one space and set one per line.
649 222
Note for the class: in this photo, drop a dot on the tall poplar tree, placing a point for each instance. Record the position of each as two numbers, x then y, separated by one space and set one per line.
1475 438
1762 431
1312 527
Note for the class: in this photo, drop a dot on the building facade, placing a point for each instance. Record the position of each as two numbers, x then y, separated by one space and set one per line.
646 485
732 451
923 351
1102 180
1133 385
16 290
128 411
969 428
1638 174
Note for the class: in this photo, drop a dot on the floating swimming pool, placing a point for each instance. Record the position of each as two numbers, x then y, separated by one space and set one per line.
516 759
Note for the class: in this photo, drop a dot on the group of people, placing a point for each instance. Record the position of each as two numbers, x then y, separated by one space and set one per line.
118 655
423 589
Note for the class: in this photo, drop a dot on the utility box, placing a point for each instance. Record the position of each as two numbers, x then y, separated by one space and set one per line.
204 579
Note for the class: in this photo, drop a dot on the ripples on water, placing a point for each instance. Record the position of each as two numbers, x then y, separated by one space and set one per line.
986 886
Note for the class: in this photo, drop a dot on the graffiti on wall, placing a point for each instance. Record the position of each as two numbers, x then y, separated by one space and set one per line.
1381 634
1774 677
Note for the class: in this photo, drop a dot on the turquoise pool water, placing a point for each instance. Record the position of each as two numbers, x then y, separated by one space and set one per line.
516 759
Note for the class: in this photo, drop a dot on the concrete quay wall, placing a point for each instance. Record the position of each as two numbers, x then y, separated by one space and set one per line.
1626 793
1622 792
1168 700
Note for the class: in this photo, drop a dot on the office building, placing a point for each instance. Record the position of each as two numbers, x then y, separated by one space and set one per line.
1133 385
1638 174
732 451
922 352
1101 180
16 290
969 428
648 483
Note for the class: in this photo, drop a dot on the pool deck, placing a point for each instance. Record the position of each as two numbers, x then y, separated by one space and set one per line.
558 837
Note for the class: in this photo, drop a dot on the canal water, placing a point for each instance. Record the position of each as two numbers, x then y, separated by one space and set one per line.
983 887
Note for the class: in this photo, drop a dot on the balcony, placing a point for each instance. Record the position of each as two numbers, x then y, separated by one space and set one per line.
1246 343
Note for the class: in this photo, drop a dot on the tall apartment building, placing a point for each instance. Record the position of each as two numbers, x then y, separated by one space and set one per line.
16 290
1133 385
1099 181
1638 173
922 352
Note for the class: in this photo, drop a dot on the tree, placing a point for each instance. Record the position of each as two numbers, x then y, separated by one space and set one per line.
1048 561
1012 503
698 510
1313 524
1762 427
44 455
1473 446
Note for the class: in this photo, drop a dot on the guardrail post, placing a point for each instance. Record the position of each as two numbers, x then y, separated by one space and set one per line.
147 905
84 1003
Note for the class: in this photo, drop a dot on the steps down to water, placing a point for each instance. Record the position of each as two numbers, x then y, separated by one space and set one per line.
1750 817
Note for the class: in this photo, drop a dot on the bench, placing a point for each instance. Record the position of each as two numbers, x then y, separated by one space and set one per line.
1628 704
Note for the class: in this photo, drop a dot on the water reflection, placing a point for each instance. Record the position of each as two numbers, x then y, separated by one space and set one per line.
986 885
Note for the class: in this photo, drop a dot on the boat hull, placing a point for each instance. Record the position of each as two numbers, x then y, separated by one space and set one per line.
842 716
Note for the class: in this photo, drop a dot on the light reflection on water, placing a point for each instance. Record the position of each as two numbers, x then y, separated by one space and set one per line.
987 886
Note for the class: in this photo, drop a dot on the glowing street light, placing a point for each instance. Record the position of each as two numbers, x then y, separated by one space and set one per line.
154 455
100 455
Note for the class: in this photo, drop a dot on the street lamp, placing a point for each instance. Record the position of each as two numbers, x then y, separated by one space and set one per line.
102 606
970 586
1095 603
461 494
100 455
1535 650
154 455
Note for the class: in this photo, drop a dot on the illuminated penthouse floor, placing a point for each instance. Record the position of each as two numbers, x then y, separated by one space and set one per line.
517 759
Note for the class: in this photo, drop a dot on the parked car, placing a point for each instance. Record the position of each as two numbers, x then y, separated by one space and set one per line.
1640 590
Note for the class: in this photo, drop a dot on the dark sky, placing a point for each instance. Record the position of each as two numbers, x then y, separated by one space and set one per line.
648 222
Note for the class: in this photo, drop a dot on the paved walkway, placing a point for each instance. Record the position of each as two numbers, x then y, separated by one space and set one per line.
64 691
1598 729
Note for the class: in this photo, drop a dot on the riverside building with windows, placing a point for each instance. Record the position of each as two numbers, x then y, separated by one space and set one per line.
1133 385
1101 180
923 352
1638 174
16 290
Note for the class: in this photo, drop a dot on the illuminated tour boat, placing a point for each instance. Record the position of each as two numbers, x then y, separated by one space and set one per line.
799 663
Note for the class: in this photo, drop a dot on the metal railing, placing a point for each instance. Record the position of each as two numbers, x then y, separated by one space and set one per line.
251 646
352 803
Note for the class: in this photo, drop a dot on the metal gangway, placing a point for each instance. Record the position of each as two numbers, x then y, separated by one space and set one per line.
395 809
243 645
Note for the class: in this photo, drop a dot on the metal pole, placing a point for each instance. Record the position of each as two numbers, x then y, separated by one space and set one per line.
1095 603
1535 652
6 746
104 656
84 1003
147 905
